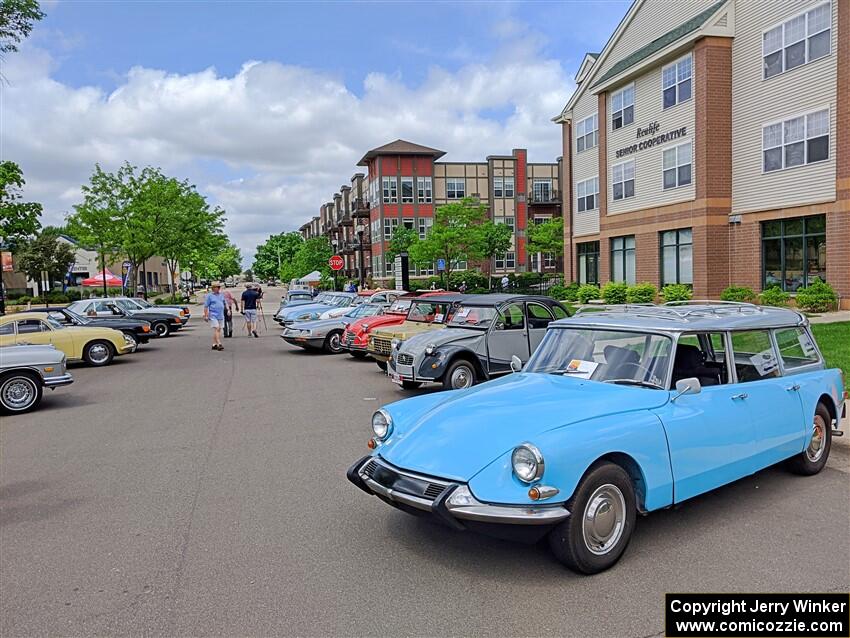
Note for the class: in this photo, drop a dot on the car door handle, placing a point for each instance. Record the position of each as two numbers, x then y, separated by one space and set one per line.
793 388
743 395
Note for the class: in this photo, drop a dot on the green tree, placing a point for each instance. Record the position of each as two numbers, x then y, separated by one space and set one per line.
45 254
403 238
495 239
18 219
17 18
228 262
276 252
547 237
455 236
312 255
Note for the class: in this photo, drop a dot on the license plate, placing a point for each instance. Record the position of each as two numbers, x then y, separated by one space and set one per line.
395 377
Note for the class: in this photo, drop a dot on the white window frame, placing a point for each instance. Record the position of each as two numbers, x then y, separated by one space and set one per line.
623 180
677 165
389 189
505 261
410 182
587 133
805 139
498 186
548 260
408 222
425 224
390 224
542 181
582 194
678 79
452 190
621 95
509 186
807 36
424 190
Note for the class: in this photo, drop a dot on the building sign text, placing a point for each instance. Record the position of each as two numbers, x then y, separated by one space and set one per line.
647 138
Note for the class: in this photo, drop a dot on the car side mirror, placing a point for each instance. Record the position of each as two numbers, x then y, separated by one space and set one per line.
516 363
690 385
115 311
500 325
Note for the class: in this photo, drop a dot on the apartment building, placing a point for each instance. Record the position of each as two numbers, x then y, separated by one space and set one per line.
403 183
708 143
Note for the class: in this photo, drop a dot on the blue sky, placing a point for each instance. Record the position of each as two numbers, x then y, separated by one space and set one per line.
267 106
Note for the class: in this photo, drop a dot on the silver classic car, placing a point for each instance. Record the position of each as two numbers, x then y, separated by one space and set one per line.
24 373
326 334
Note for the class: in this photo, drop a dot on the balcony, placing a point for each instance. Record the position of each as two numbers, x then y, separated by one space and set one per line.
359 207
544 197
344 218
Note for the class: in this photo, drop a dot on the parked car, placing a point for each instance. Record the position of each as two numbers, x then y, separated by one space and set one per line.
382 298
162 324
617 412
429 312
356 336
145 304
24 373
292 298
138 330
95 346
134 305
325 301
326 334
478 343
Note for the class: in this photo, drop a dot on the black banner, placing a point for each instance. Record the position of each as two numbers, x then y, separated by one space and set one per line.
762 615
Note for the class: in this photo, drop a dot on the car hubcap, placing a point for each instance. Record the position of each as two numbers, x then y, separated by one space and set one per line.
98 353
604 519
160 329
18 393
334 343
816 445
461 378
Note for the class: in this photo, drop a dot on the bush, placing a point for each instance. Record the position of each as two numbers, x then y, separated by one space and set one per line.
738 293
774 296
587 293
641 293
474 280
564 293
56 296
74 294
676 292
615 292
819 296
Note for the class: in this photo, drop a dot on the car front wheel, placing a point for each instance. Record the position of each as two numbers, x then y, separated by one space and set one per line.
19 392
333 345
133 338
382 365
813 459
98 353
459 376
601 521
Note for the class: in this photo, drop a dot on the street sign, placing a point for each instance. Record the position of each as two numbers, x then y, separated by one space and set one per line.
126 264
336 262
186 275
441 264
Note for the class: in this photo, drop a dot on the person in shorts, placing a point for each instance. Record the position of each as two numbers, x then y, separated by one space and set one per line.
214 313
249 307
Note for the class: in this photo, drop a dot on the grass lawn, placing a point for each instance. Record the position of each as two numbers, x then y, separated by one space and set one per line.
834 342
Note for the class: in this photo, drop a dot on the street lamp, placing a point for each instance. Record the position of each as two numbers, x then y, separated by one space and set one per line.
361 229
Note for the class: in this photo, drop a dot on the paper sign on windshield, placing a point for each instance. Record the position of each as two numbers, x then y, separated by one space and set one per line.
581 369
463 312
764 362
438 318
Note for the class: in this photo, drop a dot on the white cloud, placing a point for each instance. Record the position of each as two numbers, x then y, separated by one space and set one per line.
273 142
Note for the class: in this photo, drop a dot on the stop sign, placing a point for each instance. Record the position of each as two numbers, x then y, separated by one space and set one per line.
336 262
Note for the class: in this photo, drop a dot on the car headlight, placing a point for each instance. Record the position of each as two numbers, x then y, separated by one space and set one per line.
527 463
396 343
382 424
430 348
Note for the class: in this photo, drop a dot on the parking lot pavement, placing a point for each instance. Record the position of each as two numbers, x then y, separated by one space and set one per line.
183 491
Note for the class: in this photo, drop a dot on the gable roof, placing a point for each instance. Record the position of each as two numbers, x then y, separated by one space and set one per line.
660 43
400 147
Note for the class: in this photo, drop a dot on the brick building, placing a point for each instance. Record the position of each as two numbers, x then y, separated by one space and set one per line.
402 184
708 143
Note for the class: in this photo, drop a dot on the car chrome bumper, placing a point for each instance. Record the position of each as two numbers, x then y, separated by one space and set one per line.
55 382
376 476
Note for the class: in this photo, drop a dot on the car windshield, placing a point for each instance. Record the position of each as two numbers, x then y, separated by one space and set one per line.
363 310
73 316
428 312
471 316
340 301
399 307
323 297
127 304
53 323
631 358
300 296
144 303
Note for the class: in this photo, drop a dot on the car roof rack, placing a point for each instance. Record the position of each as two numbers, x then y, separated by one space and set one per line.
677 310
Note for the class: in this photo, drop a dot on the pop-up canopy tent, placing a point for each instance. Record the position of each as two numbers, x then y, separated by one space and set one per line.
312 278
97 280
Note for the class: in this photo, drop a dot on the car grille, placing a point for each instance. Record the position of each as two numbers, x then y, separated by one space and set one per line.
411 484
405 359
381 345
349 338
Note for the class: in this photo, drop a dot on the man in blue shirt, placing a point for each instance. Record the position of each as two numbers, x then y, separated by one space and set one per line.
214 313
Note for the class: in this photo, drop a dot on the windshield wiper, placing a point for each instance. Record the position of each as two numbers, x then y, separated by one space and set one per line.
634 382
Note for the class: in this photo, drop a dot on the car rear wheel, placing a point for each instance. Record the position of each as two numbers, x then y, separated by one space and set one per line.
813 458
459 376
161 329
382 365
19 392
98 353
602 517
333 345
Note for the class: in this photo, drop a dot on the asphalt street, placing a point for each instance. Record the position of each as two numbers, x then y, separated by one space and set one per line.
189 492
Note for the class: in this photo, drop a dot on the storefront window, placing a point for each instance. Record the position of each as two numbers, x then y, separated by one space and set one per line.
623 259
588 262
793 252
677 257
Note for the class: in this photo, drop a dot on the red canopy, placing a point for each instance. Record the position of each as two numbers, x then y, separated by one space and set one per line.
97 280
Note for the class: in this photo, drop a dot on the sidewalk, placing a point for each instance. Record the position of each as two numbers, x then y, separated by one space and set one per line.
831 317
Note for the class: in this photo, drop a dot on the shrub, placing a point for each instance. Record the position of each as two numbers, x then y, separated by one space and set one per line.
641 293
615 292
570 292
74 294
473 279
56 296
774 296
676 292
819 296
587 293
738 293
558 292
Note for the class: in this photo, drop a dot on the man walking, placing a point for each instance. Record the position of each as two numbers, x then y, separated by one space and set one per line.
214 313
249 308
229 306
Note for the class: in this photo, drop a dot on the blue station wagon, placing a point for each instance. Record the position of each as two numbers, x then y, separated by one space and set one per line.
618 412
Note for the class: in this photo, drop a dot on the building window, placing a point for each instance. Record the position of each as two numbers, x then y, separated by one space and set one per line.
793 252
541 190
455 188
677 166
498 187
509 187
587 133
409 223
424 187
623 179
425 224
505 261
797 141
548 260
390 186
623 259
406 190
390 224
676 81
459 265
541 220
623 107
588 262
802 39
677 257
587 194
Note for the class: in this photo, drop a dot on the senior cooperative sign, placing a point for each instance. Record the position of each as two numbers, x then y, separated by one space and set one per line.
648 138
